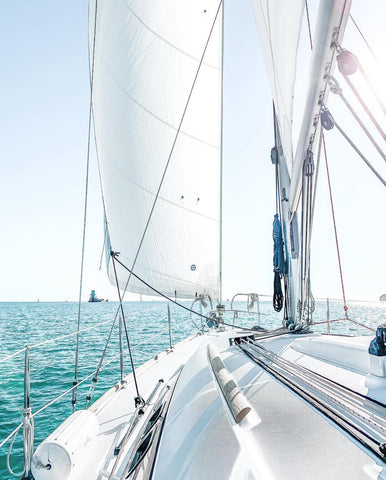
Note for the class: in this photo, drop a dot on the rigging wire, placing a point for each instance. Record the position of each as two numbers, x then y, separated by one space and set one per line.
138 400
370 84
75 382
334 223
309 25
335 88
342 320
317 168
365 107
363 37
95 378
221 149
307 303
359 153
205 316
174 301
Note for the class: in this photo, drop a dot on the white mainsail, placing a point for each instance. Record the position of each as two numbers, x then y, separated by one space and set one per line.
147 56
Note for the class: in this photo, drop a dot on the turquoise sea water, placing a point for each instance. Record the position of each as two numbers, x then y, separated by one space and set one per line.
52 364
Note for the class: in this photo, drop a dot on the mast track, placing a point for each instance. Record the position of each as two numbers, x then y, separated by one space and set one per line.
362 417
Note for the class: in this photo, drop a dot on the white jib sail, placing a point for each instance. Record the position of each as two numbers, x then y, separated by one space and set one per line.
147 55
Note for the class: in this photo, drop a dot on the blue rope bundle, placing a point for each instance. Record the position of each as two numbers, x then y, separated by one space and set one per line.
279 265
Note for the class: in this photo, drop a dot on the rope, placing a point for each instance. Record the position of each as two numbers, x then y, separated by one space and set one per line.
14 432
277 293
175 301
342 320
74 399
309 26
19 474
335 229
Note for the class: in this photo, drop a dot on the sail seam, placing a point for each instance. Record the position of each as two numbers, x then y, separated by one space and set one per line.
154 115
164 39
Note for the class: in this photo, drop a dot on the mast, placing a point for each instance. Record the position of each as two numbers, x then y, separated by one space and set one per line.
331 23
221 146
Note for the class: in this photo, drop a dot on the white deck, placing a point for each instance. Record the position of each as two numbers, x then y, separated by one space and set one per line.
283 438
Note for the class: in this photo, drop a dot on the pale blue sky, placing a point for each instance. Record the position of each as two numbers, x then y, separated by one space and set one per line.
43 130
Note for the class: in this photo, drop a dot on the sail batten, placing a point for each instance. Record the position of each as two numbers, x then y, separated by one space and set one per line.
157 126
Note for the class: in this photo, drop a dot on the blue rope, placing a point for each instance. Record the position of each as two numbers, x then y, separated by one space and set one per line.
279 264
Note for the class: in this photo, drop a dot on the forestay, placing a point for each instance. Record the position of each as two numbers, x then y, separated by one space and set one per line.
147 55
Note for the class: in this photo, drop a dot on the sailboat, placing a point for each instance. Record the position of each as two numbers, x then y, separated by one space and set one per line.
229 402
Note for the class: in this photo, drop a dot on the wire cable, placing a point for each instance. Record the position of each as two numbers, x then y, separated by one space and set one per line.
95 379
365 107
335 88
113 256
334 223
363 37
372 88
360 153
74 395
309 25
